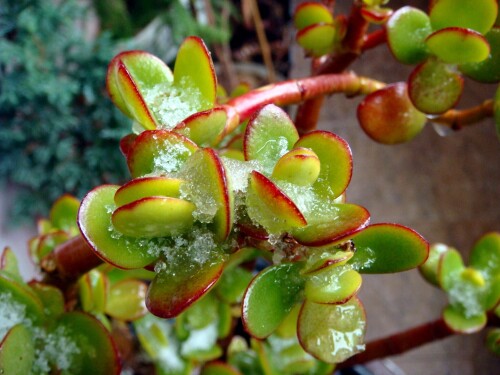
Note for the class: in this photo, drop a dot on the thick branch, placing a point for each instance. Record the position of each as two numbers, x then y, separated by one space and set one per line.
71 259
458 118
296 91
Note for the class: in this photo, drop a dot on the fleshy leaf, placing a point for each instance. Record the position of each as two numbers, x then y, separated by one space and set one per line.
332 333
94 219
270 207
485 255
21 299
159 151
300 166
183 281
63 213
406 32
154 217
333 285
270 297
309 13
9 263
385 248
93 287
335 162
96 353
434 87
147 187
450 267
269 135
51 297
207 186
194 73
321 258
338 223
219 368
493 341
479 15
458 46
429 270
17 351
388 116
126 300
458 322
232 284
488 70
204 128
317 39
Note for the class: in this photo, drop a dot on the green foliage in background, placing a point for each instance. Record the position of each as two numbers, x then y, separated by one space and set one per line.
58 130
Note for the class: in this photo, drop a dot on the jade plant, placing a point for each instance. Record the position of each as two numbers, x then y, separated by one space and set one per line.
233 249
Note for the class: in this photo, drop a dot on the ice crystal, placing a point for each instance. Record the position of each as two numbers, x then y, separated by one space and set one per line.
11 313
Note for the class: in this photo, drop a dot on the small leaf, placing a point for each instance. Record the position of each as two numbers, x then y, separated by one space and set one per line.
485 255
270 297
9 263
51 297
126 300
450 267
317 39
94 220
406 32
17 351
232 284
332 333
144 187
429 270
269 135
204 128
488 70
459 323
309 13
93 288
385 248
24 302
159 151
63 213
458 46
333 285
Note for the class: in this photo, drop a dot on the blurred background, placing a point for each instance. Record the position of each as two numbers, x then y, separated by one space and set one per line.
59 133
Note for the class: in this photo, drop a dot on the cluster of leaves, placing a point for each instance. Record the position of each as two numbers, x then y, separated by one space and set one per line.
453 39
473 291
201 195
58 129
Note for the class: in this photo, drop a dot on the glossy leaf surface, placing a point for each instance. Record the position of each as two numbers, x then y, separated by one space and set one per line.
488 70
457 322
485 255
64 211
406 32
385 248
17 351
204 128
317 39
309 13
270 297
126 300
94 219
159 151
458 46
333 285
429 270
147 187
332 333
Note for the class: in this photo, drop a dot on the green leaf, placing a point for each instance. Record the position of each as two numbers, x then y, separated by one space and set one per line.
458 322
488 70
458 46
406 32
270 297
9 263
332 333
219 368
317 39
386 248
63 213
19 300
429 270
126 300
94 219
450 267
204 128
17 351
333 285
52 299
309 13
269 135
485 255
232 284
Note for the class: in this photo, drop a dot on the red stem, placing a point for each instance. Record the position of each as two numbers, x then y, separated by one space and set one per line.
374 39
71 259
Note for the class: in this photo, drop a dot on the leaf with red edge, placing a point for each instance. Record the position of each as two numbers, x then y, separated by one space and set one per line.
9 263
270 297
94 220
147 187
387 248
388 115
317 39
434 87
376 15
270 207
332 333
269 135
204 128
161 152
456 45
183 281
478 15
309 13
207 186
488 70
219 368
17 351
96 353
48 243
336 224
335 162
458 322
126 143
194 73
140 71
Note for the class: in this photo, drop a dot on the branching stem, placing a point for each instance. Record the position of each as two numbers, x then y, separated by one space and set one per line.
458 118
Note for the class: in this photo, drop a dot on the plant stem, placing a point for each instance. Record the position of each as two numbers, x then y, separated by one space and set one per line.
400 342
296 91
374 39
71 259
308 113
458 118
